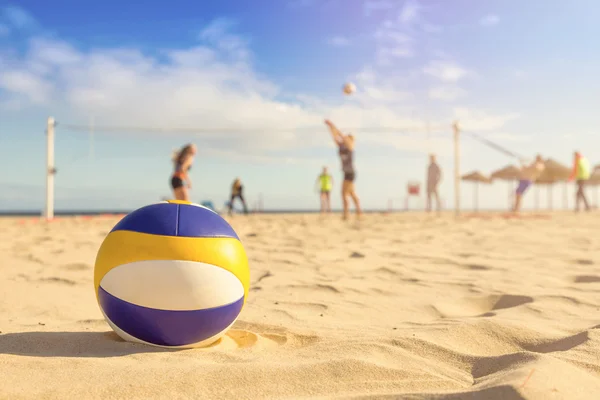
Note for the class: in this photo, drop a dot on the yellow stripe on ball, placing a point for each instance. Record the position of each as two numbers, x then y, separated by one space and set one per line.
179 202
123 247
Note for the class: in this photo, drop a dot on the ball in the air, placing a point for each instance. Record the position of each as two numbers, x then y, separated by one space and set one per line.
349 88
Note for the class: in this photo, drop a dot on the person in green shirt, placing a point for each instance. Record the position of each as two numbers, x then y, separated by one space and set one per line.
581 174
325 183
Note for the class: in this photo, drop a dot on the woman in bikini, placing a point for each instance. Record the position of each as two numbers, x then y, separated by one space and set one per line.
180 180
345 145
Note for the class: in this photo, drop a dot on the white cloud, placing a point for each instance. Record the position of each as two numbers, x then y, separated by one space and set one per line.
18 17
392 43
445 71
339 41
478 120
489 20
446 92
218 34
27 85
213 87
409 12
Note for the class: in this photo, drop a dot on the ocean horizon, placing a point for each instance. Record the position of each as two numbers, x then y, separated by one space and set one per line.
72 213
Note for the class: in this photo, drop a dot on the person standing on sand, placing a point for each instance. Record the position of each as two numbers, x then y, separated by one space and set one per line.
325 182
581 174
434 176
529 174
345 145
237 190
180 181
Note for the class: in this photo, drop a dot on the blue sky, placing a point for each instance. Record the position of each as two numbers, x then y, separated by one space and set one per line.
264 74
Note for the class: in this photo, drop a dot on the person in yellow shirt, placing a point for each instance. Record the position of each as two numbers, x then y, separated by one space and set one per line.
325 183
581 173
237 191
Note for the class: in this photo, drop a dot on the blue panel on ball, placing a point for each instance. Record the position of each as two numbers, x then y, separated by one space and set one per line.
197 221
155 219
168 328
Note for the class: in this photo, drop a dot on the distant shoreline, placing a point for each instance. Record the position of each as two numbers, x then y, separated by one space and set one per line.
73 213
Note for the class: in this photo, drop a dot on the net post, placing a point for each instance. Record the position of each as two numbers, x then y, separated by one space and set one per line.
456 130
50 170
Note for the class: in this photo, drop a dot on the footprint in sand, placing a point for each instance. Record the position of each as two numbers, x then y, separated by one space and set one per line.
480 306
31 257
562 344
584 262
318 287
76 267
54 279
303 307
266 275
476 267
466 255
586 279
261 337
386 271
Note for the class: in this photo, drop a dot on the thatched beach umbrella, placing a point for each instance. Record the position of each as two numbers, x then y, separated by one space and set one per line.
476 177
595 182
556 171
510 173
553 173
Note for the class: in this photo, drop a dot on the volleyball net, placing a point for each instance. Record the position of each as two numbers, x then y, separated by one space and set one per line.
425 132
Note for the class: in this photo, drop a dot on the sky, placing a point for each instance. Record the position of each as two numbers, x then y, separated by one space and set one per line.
251 83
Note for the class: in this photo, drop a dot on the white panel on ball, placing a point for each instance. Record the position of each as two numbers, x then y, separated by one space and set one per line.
173 285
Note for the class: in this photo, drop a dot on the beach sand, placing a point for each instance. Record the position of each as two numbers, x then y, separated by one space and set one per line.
395 306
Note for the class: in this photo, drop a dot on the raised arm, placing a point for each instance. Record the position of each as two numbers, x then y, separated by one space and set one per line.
574 168
335 132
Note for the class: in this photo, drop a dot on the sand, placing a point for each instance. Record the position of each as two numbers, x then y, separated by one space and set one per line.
396 306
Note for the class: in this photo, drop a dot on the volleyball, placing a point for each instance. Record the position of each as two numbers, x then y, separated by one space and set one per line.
172 274
349 88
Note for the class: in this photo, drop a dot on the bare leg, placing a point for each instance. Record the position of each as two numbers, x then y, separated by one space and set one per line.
243 203
581 196
231 205
352 193
323 199
429 193
328 201
356 204
438 203
345 195
517 205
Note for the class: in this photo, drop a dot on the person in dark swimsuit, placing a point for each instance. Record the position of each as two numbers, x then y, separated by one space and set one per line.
237 191
180 181
345 145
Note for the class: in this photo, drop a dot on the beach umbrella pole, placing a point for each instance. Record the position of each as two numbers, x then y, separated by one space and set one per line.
476 197
50 169
456 168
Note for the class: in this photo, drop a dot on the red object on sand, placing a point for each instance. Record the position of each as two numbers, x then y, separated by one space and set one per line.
413 189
